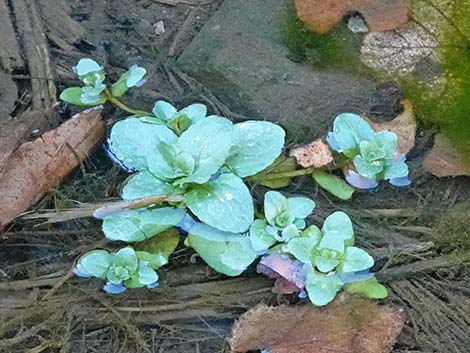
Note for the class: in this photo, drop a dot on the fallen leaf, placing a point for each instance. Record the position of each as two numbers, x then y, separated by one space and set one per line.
36 166
400 51
321 16
315 154
287 272
404 125
445 160
350 324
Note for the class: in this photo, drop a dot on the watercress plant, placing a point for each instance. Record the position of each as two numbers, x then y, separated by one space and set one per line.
190 171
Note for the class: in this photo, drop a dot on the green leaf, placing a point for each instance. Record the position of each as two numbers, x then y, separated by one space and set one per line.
179 124
86 66
132 140
349 130
275 204
256 145
163 243
260 239
355 259
334 185
332 240
95 263
194 112
131 78
367 169
322 288
153 260
164 110
72 95
282 164
370 288
326 260
141 224
208 141
169 162
302 248
395 170
147 275
145 184
289 231
300 207
224 203
227 253
341 223
388 141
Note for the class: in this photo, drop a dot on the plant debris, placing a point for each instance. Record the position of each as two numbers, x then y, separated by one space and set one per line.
321 16
315 154
36 166
445 160
350 324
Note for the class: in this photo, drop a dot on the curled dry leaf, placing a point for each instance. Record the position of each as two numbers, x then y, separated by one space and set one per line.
445 160
287 272
36 166
315 154
321 16
350 324
404 125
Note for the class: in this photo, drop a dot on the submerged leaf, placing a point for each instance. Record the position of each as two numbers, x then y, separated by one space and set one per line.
256 145
227 253
224 203
141 224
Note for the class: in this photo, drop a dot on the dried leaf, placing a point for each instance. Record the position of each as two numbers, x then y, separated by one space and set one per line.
350 324
321 16
445 160
315 154
400 51
287 272
404 125
37 166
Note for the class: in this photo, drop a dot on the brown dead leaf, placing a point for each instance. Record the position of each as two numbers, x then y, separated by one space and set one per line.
36 166
350 324
404 125
315 154
445 160
322 15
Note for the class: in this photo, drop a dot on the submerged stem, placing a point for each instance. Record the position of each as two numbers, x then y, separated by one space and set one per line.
124 107
290 174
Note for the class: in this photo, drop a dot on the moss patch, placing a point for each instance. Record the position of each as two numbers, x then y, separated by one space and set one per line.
450 111
338 49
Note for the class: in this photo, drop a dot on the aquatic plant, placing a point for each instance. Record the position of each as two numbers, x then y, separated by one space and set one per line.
190 172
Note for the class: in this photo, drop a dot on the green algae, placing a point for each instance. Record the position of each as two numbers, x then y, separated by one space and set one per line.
337 49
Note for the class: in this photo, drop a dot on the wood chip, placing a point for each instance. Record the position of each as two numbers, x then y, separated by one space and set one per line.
321 16
37 166
445 160
315 154
350 324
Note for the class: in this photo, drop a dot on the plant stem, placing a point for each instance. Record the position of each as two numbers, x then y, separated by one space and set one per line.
109 96
290 174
